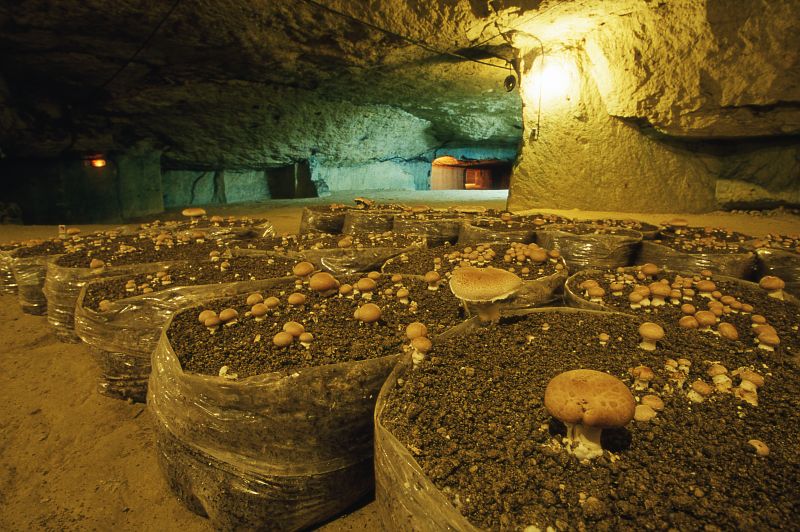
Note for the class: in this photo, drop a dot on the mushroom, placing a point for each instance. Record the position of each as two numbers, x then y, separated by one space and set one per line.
254 298
212 323
759 447
296 298
644 413
419 347
194 213
365 285
650 333
773 285
402 295
688 322
635 299
705 287
96 264
272 302
596 294
294 328
659 291
727 330
305 339
229 316
588 401
484 288
643 376
303 269
283 339
258 311
205 315
368 313
768 340
653 401
705 319
324 283
415 330
346 290
649 269
719 377
700 390
432 278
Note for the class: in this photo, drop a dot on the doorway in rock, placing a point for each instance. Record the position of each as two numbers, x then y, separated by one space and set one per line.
449 173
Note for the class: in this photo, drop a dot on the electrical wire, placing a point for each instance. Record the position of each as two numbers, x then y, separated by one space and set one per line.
415 42
143 45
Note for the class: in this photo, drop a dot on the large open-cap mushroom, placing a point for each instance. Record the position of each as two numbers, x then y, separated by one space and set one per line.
773 285
193 212
588 401
483 288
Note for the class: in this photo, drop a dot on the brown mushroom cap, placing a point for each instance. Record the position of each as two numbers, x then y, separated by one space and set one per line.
727 330
283 339
705 285
302 269
589 397
660 289
272 302
415 330
346 289
651 331
296 298
649 269
365 284
368 313
96 263
769 338
254 298
258 310
205 315
212 322
705 318
228 314
483 284
294 328
688 322
653 401
306 337
421 344
432 277
770 282
193 211
322 282
596 292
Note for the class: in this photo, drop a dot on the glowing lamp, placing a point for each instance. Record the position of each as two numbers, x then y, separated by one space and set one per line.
98 162
554 80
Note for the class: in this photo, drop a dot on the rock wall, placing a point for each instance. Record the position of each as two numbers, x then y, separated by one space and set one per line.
204 187
576 155
663 100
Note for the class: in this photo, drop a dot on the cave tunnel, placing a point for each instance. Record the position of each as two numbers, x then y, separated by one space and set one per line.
317 265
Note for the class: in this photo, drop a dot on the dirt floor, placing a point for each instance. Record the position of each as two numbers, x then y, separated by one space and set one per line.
72 459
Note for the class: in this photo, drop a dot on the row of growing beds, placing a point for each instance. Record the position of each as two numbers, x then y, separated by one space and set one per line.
477 369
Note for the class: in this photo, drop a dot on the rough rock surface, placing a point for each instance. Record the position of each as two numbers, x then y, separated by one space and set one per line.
239 85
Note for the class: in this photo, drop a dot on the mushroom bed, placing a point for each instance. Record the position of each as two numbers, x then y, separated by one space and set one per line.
472 416
743 305
124 250
704 240
247 347
528 261
197 273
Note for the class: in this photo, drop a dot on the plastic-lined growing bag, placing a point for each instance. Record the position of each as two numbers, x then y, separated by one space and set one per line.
29 274
495 230
368 221
62 287
124 336
783 264
323 219
406 496
8 285
353 259
741 265
436 228
271 451
584 246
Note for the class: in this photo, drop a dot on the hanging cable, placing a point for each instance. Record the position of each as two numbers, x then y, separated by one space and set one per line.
415 42
143 45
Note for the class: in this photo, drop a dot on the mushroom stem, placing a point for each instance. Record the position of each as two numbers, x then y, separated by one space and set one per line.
583 441
488 312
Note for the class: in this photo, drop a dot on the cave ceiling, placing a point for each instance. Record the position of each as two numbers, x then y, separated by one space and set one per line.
243 81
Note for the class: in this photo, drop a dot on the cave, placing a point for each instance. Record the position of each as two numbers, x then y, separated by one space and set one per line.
399 264
448 173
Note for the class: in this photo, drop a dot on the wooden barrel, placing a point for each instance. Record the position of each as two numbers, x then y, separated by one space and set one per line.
447 178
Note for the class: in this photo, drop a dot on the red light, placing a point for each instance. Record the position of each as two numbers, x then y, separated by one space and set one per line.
98 163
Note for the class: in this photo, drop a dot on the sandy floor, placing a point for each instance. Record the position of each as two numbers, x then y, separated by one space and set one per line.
71 459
